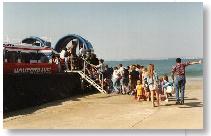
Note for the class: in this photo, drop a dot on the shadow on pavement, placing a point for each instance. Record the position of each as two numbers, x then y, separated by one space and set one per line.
192 105
43 106
187 104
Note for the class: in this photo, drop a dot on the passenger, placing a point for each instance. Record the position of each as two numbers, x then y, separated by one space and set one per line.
89 70
63 58
71 54
145 76
167 87
101 68
179 71
129 83
161 80
139 88
121 72
94 60
125 81
133 76
115 80
88 55
73 48
153 84
108 80
82 51
94 75
106 71
55 59
159 90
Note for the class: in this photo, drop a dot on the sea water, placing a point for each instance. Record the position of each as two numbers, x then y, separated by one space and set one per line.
163 66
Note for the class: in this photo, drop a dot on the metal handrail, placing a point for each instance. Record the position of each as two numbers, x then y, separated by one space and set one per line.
84 68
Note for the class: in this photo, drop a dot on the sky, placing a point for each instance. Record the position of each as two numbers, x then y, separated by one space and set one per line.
117 31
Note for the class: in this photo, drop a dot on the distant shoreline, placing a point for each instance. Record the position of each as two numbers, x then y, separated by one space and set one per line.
184 58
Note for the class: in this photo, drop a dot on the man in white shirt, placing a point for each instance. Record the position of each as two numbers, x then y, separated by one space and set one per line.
63 56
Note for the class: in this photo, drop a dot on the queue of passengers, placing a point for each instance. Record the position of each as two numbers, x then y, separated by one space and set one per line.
134 80
145 83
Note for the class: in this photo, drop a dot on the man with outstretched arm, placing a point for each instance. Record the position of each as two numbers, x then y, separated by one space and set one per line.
178 71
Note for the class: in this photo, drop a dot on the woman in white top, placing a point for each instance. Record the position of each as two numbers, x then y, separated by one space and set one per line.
145 76
115 79
153 84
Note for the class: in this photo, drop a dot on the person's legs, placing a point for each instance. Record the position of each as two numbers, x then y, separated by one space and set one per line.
152 97
110 85
147 91
115 84
124 88
148 95
129 87
122 85
144 94
183 81
157 97
126 85
167 99
118 84
133 84
138 98
177 89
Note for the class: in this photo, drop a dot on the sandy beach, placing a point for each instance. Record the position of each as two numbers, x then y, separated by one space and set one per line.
110 111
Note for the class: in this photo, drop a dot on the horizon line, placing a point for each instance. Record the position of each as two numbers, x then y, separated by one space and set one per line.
152 58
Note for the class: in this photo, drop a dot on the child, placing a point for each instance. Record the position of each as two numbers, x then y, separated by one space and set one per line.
139 88
167 87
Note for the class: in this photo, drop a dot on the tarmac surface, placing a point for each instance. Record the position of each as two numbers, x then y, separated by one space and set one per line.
113 111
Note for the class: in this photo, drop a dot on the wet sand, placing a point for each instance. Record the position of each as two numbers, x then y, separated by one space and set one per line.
110 111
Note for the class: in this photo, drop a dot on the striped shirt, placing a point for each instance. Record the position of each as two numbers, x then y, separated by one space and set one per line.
179 68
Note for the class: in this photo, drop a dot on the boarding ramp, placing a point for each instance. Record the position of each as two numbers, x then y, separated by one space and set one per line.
82 73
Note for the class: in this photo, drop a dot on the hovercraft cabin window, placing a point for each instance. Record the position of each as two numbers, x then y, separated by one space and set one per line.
25 57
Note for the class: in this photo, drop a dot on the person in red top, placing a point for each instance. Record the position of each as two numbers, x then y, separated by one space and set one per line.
179 72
